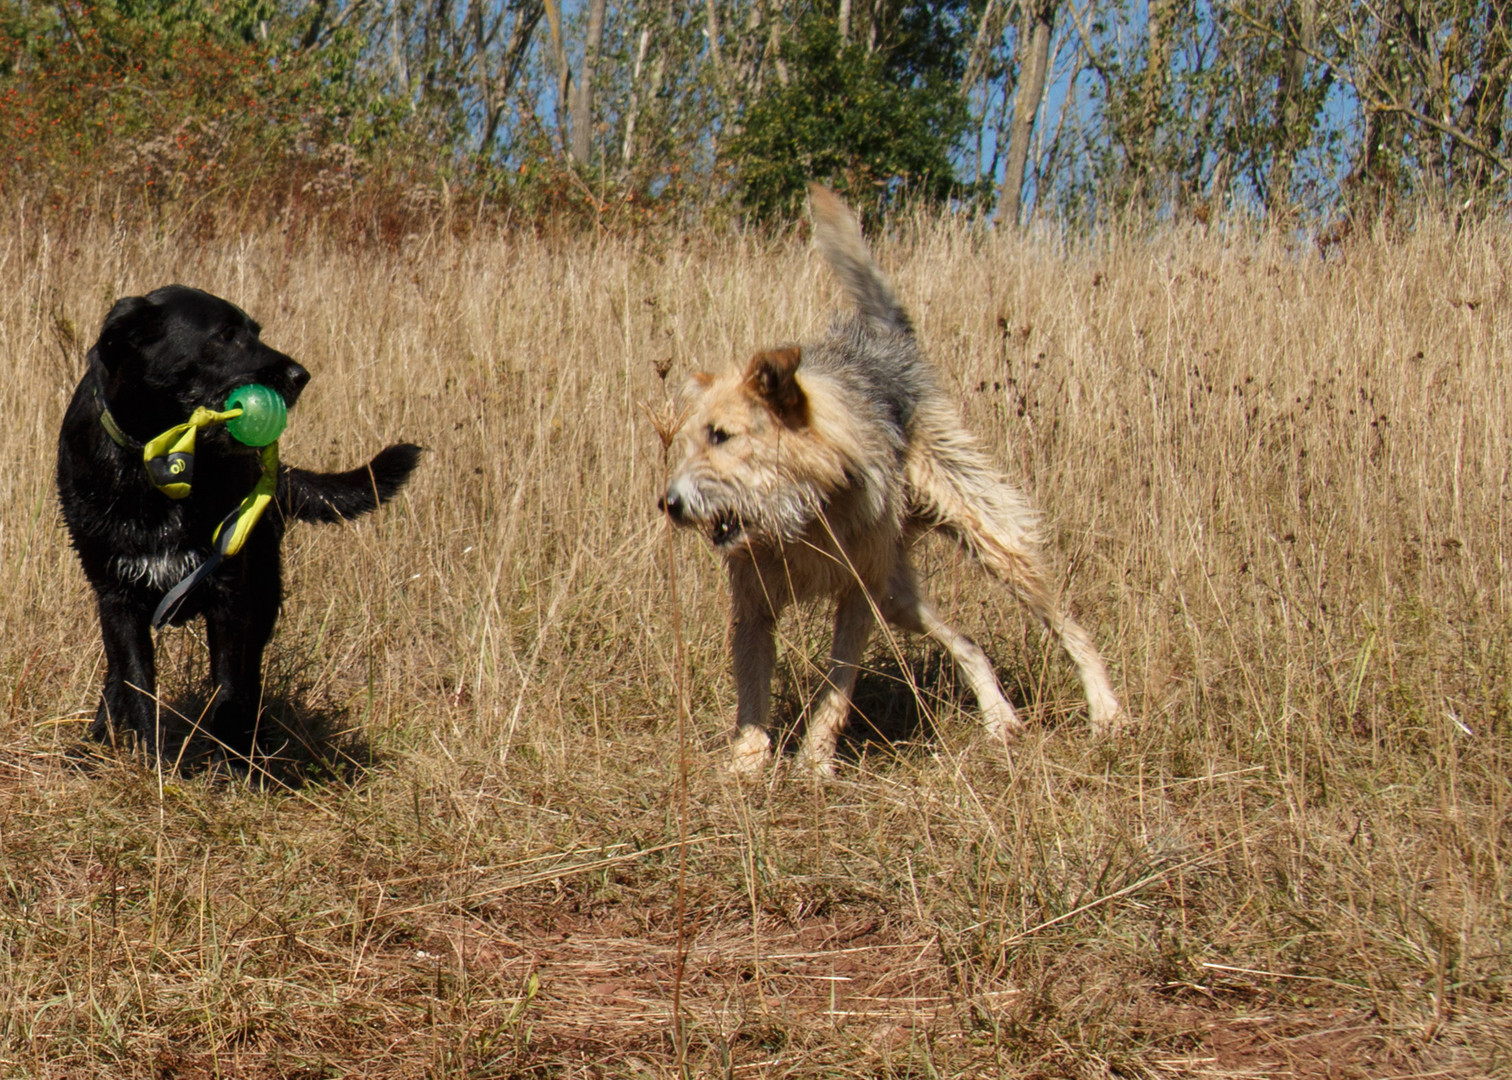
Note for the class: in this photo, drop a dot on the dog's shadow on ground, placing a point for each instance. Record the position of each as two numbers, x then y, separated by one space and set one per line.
897 706
304 737
902 702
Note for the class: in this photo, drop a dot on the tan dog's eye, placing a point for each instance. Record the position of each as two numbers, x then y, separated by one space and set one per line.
717 436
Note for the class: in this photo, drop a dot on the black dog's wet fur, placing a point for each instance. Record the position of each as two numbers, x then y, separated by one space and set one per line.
159 357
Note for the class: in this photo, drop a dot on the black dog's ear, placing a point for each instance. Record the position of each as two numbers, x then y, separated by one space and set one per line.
132 322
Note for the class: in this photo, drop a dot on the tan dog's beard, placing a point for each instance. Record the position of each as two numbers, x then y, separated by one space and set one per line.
731 516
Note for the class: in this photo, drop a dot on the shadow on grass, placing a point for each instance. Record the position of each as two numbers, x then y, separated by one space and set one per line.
898 704
304 737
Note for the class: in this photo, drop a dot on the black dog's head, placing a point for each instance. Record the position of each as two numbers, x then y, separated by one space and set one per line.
175 349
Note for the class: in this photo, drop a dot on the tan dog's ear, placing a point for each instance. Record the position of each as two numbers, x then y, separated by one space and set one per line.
694 385
773 377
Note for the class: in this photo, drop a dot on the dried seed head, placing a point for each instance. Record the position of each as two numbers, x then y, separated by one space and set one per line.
667 419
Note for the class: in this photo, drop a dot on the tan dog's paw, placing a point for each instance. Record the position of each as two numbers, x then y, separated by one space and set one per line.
814 763
1109 718
750 750
1002 724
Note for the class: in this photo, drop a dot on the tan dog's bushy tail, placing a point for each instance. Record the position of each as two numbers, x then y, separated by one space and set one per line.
838 234
951 482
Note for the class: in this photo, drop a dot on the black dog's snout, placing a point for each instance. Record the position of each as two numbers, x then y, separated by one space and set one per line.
286 377
298 377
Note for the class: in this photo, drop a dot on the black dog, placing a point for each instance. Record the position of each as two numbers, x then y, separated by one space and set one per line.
158 358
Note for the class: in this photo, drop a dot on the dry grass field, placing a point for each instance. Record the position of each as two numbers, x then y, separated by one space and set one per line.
1279 489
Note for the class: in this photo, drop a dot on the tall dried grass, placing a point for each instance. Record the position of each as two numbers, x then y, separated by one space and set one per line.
1278 487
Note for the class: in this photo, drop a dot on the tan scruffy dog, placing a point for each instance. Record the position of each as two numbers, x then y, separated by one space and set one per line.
814 469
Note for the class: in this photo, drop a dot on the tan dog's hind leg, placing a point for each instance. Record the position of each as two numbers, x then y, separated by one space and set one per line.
853 625
990 519
1108 717
1021 572
907 610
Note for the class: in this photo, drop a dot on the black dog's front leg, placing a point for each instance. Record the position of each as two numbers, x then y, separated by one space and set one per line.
236 639
129 701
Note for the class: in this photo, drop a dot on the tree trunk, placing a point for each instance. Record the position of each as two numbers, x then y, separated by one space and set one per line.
976 59
1036 31
1482 111
500 83
559 56
774 48
632 110
1140 145
716 51
582 99
317 24
1300 20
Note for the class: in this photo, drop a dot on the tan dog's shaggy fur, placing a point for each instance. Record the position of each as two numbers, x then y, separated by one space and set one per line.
814 469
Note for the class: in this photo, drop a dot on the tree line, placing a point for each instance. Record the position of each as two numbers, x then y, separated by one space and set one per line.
1302 111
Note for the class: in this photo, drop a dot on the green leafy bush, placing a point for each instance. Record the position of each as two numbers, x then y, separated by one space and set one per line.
877 125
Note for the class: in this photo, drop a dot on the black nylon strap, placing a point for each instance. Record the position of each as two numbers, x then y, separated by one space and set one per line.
169 605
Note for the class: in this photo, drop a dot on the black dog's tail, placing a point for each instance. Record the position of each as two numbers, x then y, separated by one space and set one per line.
327 497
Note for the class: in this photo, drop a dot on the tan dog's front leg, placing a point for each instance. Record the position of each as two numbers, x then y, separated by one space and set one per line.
753 652
853 625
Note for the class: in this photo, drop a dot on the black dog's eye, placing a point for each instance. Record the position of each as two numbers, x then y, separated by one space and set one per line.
718 435
228 334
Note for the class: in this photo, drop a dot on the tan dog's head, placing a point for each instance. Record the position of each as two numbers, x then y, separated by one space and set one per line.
753 466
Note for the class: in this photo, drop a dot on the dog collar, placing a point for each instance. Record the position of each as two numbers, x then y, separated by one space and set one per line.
113 429
169 457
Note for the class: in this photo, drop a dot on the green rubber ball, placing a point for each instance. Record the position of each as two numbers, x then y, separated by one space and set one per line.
263 417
